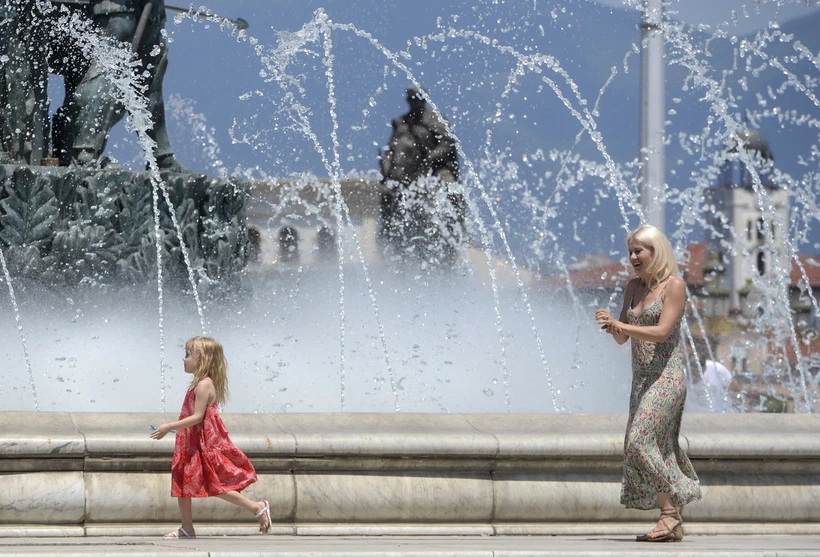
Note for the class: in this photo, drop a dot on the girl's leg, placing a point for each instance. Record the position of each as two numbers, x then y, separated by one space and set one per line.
255 507
186 530
186 515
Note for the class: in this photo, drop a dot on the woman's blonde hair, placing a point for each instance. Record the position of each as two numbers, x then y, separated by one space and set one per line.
663 262
212 364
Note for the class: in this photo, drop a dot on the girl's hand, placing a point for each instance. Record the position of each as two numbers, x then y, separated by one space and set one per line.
160 432
607 322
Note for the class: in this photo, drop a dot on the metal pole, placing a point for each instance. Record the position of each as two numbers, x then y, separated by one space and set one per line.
652 114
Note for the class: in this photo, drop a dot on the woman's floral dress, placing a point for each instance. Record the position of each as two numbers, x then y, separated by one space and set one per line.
653 461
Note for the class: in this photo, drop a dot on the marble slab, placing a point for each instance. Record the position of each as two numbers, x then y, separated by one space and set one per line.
408 497
129 433
134 497
386 435
757 498
559 498
760 436
40 434
42 498
553 435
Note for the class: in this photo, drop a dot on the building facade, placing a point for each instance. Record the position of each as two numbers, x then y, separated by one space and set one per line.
746 228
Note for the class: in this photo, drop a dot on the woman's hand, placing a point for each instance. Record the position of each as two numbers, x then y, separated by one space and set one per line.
607 322
161 431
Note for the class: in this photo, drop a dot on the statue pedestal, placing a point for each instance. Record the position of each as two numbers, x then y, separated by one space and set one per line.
66 226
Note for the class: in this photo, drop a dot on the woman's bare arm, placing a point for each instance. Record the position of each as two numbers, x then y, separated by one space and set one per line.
608 322
674 301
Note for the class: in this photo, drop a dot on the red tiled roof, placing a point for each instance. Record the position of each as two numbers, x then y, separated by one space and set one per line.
606 276
616 273
811 264
692 270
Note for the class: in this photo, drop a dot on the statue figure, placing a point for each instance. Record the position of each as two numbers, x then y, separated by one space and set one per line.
288 244
23 83
89 112
420 155
64 228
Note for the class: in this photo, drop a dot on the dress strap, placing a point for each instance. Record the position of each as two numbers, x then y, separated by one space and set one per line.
632 298
660 294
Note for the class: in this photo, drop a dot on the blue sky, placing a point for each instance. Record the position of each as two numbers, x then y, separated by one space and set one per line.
750 15
218 81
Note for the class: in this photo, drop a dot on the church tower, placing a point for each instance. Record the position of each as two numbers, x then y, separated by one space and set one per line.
739 249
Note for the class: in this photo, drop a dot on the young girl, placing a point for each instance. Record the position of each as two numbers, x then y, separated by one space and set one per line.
206 463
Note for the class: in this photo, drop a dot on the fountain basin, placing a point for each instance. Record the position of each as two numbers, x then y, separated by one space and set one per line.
75 474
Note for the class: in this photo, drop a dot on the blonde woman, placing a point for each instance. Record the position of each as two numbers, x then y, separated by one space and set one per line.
657 473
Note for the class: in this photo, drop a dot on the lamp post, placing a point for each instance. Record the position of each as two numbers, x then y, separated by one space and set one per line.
652 114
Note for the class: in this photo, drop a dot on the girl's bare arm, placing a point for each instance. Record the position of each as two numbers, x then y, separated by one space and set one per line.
204 393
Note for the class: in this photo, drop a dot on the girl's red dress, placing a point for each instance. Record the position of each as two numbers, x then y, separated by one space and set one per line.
206 462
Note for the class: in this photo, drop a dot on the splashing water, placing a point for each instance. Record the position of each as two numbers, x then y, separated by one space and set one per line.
23 342
536 210
119 65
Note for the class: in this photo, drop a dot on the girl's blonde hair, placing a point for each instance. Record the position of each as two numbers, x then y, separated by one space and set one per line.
663 262
212 364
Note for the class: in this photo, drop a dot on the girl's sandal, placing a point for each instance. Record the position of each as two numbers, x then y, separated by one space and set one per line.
672 529
178 534
265 525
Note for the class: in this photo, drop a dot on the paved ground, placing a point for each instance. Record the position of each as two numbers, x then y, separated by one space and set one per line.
413 546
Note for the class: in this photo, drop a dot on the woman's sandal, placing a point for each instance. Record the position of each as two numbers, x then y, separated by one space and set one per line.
175 535
264 527
671 533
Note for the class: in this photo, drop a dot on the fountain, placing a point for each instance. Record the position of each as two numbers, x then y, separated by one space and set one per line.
324 322
524 205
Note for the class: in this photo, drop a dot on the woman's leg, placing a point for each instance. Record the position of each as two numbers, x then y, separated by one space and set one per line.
253 506
669 521
665 502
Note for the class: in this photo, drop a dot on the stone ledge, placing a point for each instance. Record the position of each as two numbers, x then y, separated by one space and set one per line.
301 438
755 436
39 435
347 472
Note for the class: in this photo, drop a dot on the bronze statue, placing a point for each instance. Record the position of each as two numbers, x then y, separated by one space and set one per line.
420 145
90 111
420 163
23 82
95 222
34 45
